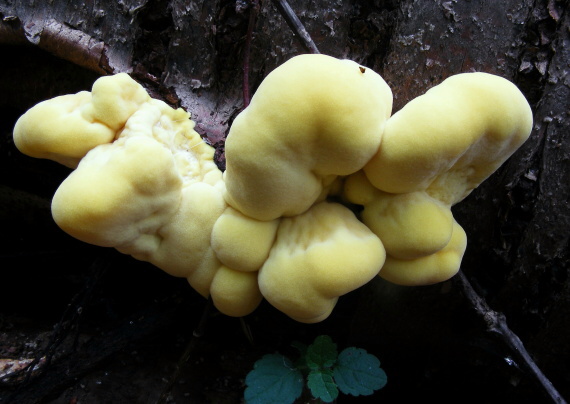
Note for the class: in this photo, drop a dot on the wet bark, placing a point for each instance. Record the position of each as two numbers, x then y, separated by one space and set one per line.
191 54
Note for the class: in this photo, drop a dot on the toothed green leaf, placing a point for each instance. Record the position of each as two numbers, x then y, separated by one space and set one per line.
358 372
273 380
322 353
322 385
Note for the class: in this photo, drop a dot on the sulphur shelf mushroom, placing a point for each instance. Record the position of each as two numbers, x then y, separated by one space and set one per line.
144 181
318 256
312 119
317 134
434 152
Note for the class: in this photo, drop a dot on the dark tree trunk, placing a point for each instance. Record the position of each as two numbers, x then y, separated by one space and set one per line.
191 54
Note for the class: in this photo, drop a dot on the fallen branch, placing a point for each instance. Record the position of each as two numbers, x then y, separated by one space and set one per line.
296 25
64 42
497 324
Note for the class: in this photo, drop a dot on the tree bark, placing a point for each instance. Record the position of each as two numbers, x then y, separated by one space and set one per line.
191 53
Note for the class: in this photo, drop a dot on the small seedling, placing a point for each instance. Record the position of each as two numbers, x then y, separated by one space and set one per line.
278 380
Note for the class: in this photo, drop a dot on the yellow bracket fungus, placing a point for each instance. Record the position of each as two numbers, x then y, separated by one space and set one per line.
434 152
65 128
318 256
235 293
317 129
241 242
429 269
145 182
447 141
410 225
312 119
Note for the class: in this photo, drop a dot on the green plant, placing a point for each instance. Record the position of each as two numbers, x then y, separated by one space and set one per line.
278 380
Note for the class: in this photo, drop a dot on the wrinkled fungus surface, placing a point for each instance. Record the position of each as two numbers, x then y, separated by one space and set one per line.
318 127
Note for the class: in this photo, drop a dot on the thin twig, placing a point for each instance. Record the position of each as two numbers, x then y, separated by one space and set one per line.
497 323
190 348
296 25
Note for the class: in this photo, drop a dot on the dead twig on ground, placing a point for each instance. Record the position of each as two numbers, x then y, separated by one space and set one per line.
497 323
296 25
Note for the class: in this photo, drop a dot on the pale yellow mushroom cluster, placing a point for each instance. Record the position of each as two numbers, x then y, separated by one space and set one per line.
434 152
317 139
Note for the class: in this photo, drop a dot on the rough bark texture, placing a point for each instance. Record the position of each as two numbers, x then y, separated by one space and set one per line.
190 53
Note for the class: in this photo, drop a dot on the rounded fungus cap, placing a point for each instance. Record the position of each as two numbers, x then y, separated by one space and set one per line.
154 192
318 128
453 137
312 119
112 200
430 269
242 243
318 256
65 128
410 225
235 293
114 99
